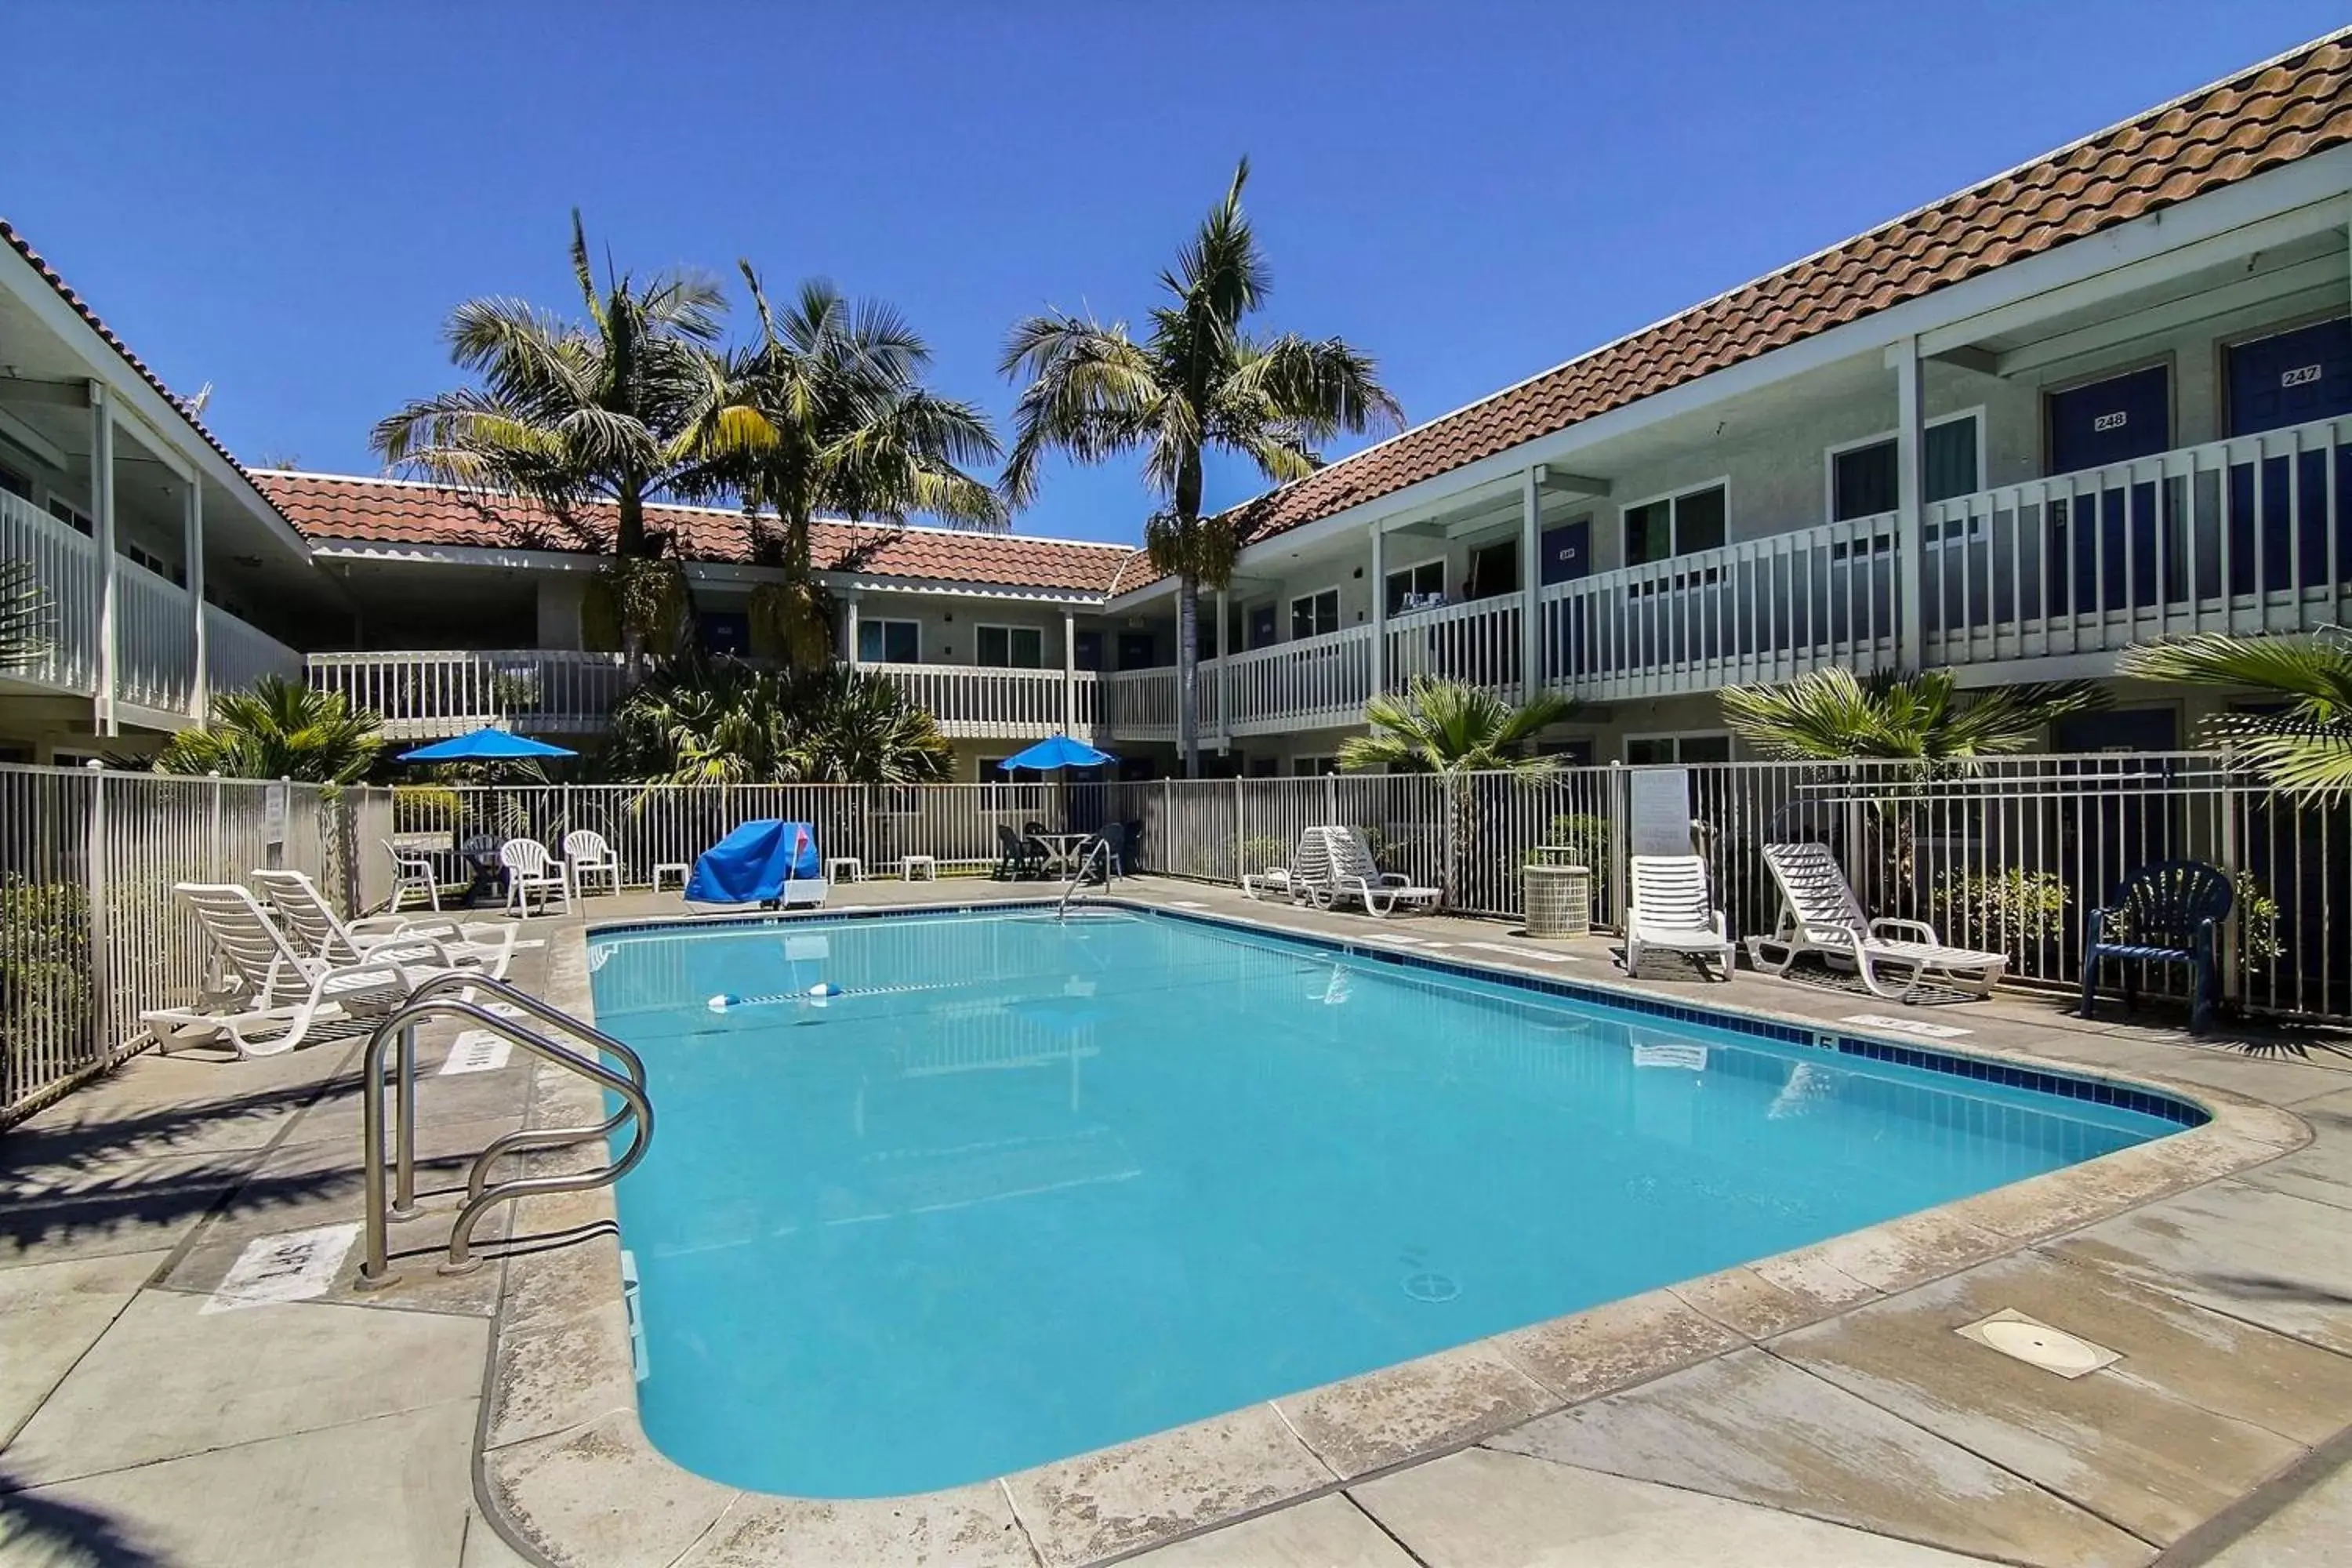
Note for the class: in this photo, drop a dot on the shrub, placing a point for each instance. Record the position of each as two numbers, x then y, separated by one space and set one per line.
2011 909
45 973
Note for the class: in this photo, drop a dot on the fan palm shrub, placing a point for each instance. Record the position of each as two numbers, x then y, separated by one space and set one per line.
1455 730
732 722
2301 736
279 729
632 405
1925 720
1198 380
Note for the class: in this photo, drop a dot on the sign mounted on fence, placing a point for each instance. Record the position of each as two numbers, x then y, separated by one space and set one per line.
1661 810
273 814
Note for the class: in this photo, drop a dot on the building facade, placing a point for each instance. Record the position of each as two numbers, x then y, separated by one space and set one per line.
2099 399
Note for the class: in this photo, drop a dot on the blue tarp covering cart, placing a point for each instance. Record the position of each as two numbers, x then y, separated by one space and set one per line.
762 862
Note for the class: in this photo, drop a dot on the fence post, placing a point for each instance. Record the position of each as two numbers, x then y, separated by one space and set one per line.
1238 836
1330 801
2231 977
1449 804
95 893
1621 840
219 860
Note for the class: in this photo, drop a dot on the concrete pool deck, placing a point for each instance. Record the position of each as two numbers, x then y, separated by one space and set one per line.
1817 1407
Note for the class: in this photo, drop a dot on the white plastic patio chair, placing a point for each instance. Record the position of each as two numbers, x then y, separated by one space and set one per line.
305 917
269 994
412 873
1671 908
1820 914
532 869
1310 862
587 855
1351 875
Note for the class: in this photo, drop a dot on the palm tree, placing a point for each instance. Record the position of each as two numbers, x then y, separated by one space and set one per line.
1454 730
23 615
279 729
733 723
839 422
622 410
1828 715
1198 381
2305 743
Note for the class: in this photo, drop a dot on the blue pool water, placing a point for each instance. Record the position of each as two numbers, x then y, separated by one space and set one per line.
1028 1189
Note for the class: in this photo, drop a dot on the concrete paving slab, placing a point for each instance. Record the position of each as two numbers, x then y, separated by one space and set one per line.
2200 1410
1756 1429
485 1548
600 1497
1137 1494
51 1313
392 1492
2280 1079
1323 1533
561 1377
2271 1257
129 1206
168 1379
2315 1531
1482 1508
1606 1348
1383 1417
1759 1299
440 1102
969 1527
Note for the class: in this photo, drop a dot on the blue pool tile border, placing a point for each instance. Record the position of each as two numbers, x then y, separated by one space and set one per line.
1924 1058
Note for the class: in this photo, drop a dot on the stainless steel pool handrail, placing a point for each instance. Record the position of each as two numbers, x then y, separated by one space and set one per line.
432 999
1098 850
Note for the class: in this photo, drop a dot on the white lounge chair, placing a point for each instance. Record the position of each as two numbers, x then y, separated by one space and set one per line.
1820 914
1351 875
412 873
1672 909
532 869
1310 862
587 855
269 994
312 922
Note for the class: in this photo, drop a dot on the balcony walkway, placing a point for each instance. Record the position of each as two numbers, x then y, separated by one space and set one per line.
143 1428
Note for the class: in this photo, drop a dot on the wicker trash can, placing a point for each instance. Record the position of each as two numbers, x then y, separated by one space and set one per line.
1558 900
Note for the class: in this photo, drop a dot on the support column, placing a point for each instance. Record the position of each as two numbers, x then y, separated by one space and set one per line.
101 512
1380 611
849 627
1224 690
1531 679
192 547
1910 544
1069 671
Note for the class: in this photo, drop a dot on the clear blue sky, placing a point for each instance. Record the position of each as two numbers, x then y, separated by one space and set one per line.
285 200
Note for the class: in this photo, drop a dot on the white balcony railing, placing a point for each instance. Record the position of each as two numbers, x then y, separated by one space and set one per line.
985 702
430 693
236 655
154 640
66 574
1476 642
1314 681
1141 704
1761 610
2251 534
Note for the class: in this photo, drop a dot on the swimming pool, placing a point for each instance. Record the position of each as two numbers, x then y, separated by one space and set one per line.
1024 1189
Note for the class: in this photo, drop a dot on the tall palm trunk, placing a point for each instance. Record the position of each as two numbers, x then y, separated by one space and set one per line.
1187 618
629 545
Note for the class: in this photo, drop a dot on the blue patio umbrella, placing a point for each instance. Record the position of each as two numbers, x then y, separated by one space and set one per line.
1056 751
487 744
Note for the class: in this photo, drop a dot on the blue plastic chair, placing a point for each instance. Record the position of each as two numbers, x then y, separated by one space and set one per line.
2167 913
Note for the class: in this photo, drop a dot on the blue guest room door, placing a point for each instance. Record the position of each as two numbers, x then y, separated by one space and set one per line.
2289 378
2109 560
1563 554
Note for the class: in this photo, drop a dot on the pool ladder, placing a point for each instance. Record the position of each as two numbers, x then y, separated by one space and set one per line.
1098 850
453 996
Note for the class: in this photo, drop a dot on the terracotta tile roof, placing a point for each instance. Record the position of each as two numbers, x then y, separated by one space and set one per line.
50 274
402 512
2270 114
